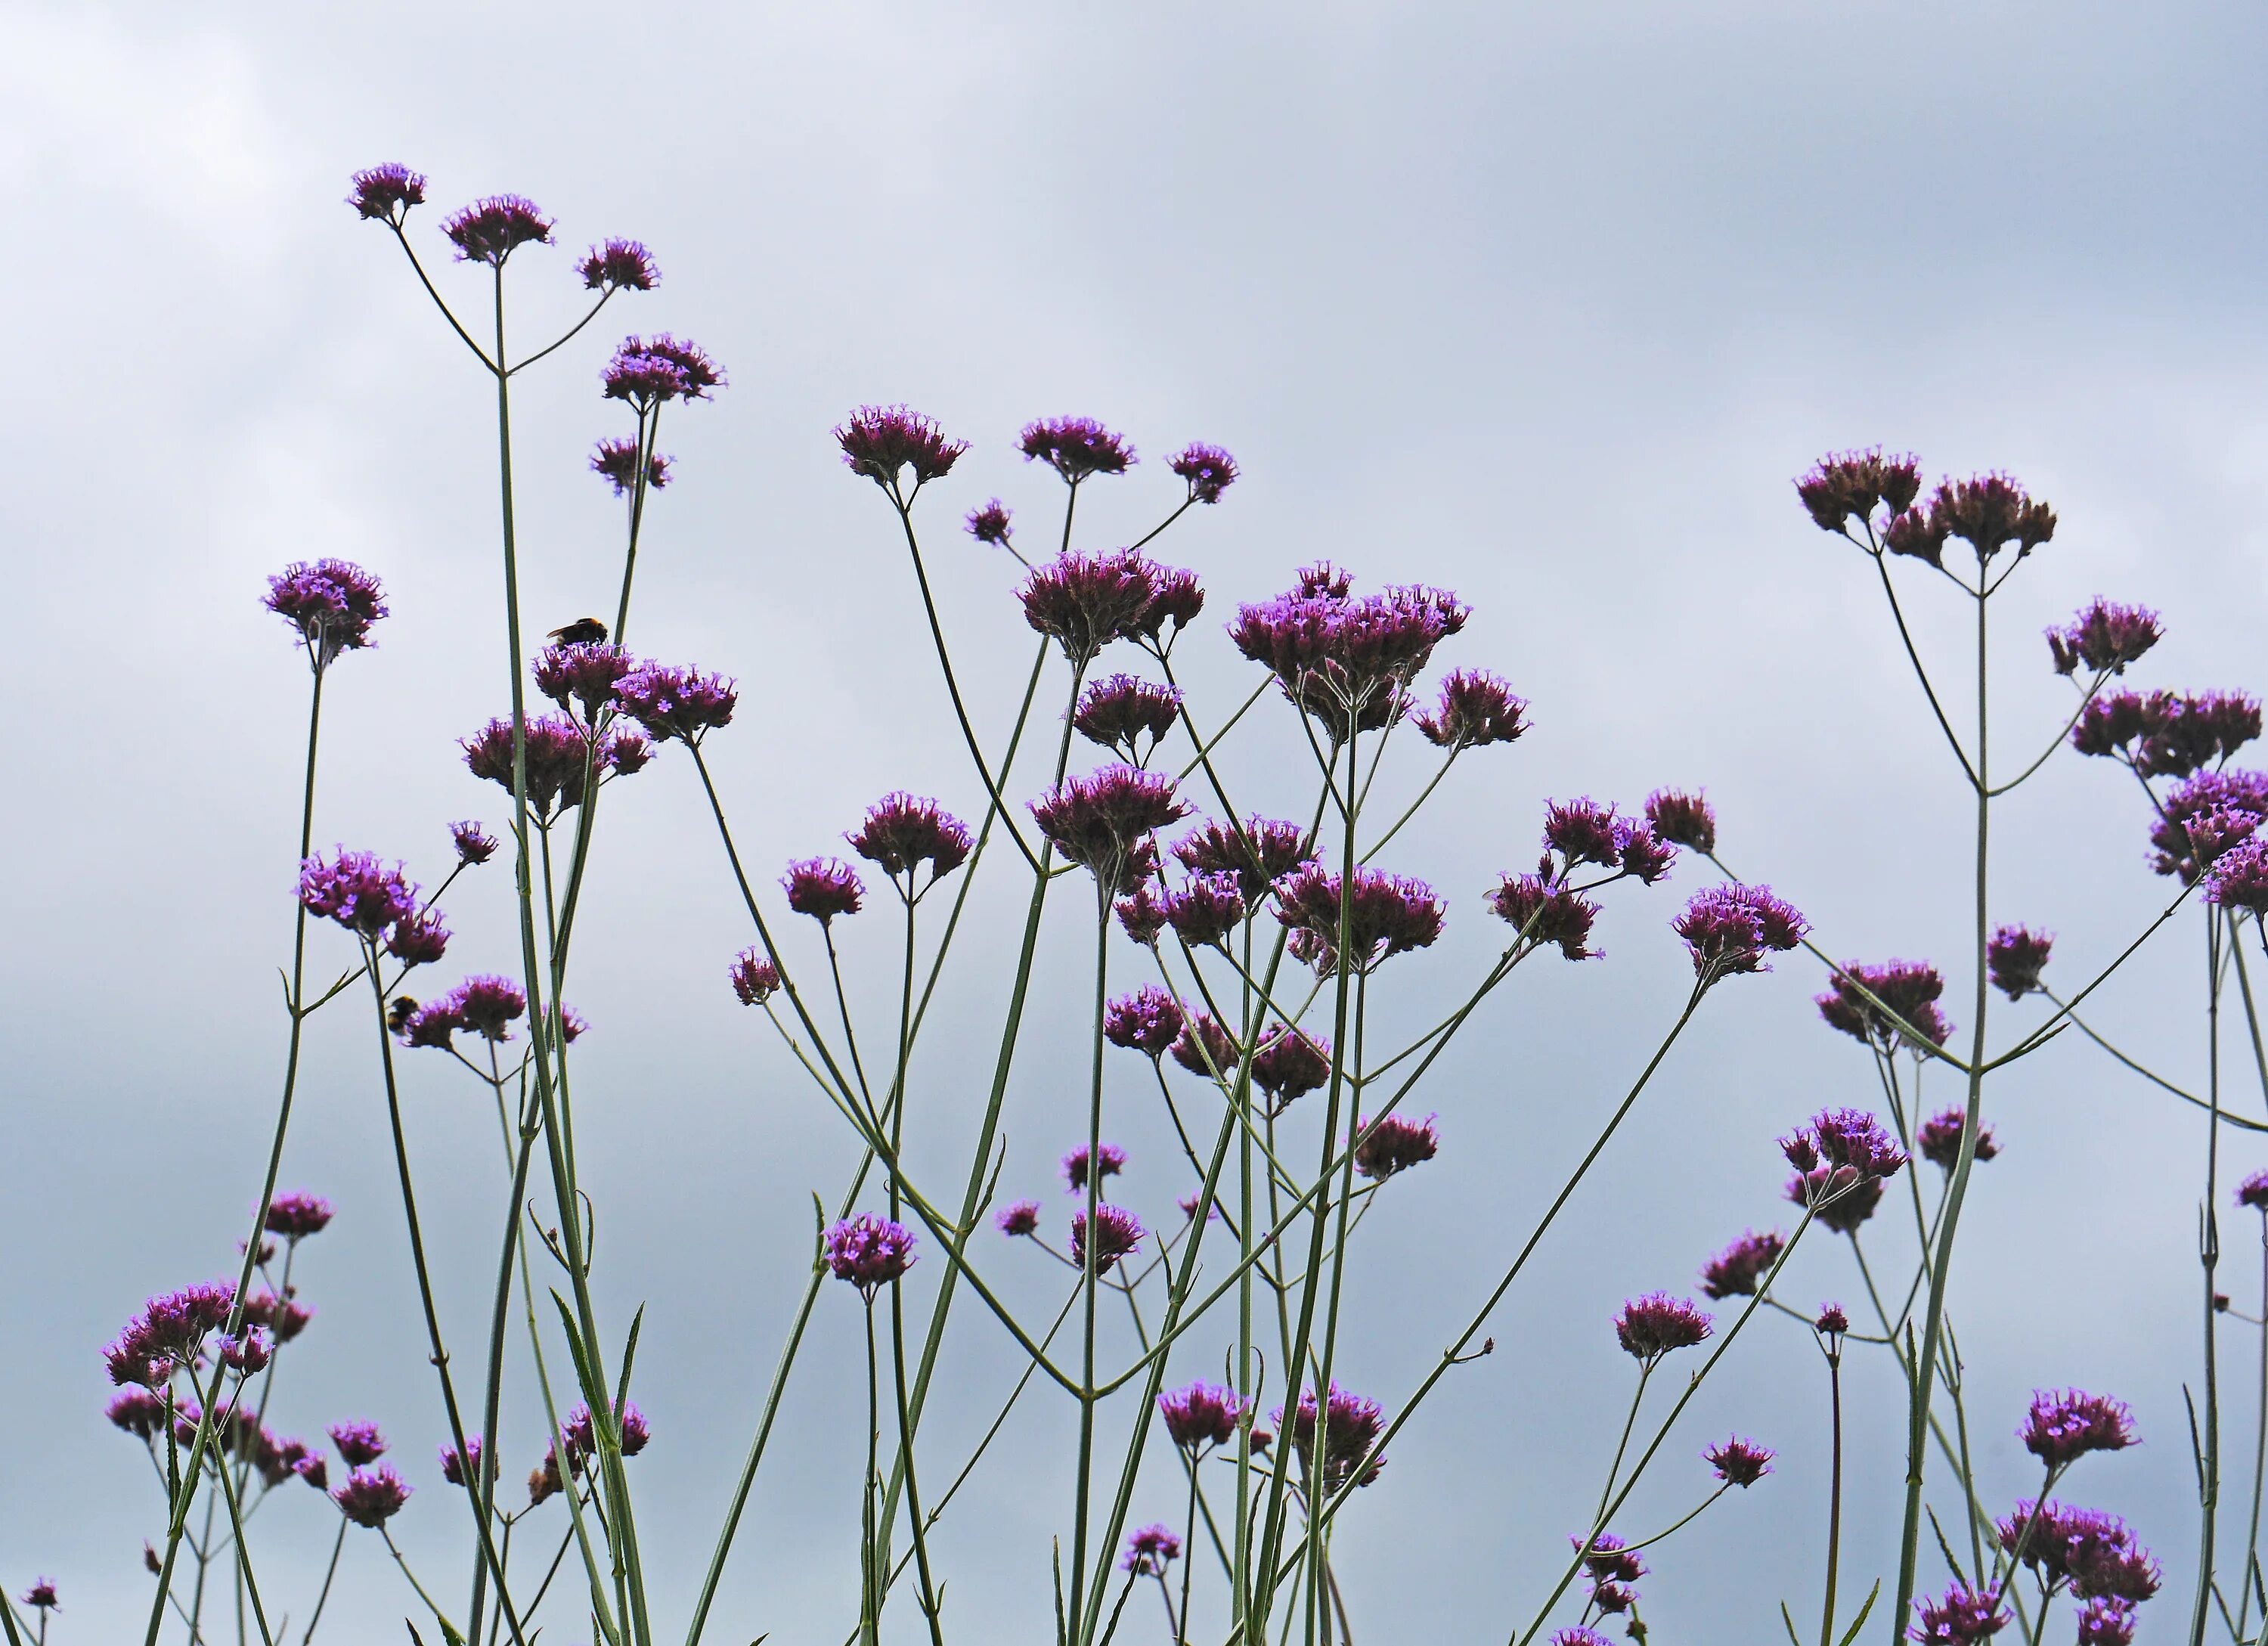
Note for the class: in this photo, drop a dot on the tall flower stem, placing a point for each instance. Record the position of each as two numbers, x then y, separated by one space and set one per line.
649 432
1090 1269
1834 1495
2209 1258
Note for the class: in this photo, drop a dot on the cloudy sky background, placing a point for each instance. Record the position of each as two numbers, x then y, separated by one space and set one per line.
1545 305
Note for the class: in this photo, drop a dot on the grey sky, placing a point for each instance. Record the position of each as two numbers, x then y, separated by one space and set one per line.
1546 304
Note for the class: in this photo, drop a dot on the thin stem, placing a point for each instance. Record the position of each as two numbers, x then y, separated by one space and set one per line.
1834 1498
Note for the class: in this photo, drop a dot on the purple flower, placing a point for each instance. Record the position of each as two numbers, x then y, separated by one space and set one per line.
462 1469
558 755
1259 851
1351 1426
1640 853
1207 909
1084 602
990 524
616 461
1576 1634
359 1443
2094 1552
1543 912
1207 1049
902 832
1728 928
869 1252
1394 1143
1120 711
1116 1233
1178 601
2253 1192
1209 470
645 381
822 888
315 1470
1841 1160
754 977
2064 1425
1831 1321
2210 815
297 1214
417 940
40 1597
283 1317
490 231
1200 1415
385 193
1989 512
680 703
1288 1064
1682 819
1146 1020
1844 486
1142 912
1097 820
1908 988
1075 447
1074 1166
371 1497
1150 1550
486 1004
1386 915
168 1333
1939 1140
139 1411
2015 957
1740 1462
879 442
1650 1327
2106 1621
332 603
1019 1217
357 890
1919 534
2168 734
1345 663
474 844
618 265
1476 708
2238 878
1737 1270
2104 637
1582 832
1960 1617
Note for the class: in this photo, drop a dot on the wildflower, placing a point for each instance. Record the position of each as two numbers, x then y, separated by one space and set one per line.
1258 851
1287 1065
168 1333
1144 1021
371 1497
1097 820
1476 709
1650 1327
1682 819
869 1252
1178 601
40 1597
588 675
1640 853
1905 989
486 1004
2094 1552
359 1443
1394 1143
1386 915
1116 1233
618 266
1578 1635
247 1354
1142 912
645 381
1581 832
754 977
2015 957
558 754
1075 1163
990 524
1206 1048
2239 879
881 441
2064 1425
138 1411
1831 1321
822 888
1841 1160
701 373
1150 1550
1200 1415
2106 1621
462 1469
1341 661
1209 470
1939 1140
680 703
1207 909
1545 912
315 1470
1989 512
1960 1617
1918 533
1740 1462
2167 733
1728 928
1084 602
1019 1217
297 1214
1351 1426
284 1317
417 940
2105 638
384 194
474 844
1844 486
490 231
902 833
1736 1270
332 603
2253 1192
1118 712
1075 447
2210 815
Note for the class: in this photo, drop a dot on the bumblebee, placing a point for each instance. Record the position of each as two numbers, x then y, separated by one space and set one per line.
398 1014
581 631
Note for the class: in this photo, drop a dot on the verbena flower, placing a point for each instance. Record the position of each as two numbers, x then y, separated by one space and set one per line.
384 194
315 1470
1075 447
990 524
1581 832
1342 662
2168 734
40 1597
2238 878
558 752
754 977
1206 1048
2104 637
1150 1550
487 1004
1831 1321
1394 1143
418 939
1097 820
359 1443
1119 712
1200 1415
869 1252
1909 988
1989 512
880 442
1019 1217
2106 1621
1476 709
462 1469
297 1214
904 831
1728 929
2064 1425
1142 914
2015 957
642 380
331 603
1207 910
1117 1232
474 844
1075 1165
670 702
1351 1425
490 231
1939 1140
823 887
1844 486
1640 853
357 890
1209 470
1576 1635
616 461
1919 534
139 1411
1737 1270
371 1497
2094 1552
2253 1192
1546 913
1740 1462
1682 819
1178 600
283 1317
1146 1020
1386 915
1652 1326
1961 1616
1259 851
1288 1064
2211 814
1841 1160
1085 602
619 265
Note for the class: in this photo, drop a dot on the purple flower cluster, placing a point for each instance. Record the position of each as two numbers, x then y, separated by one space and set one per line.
587 675
1019 1217
1961 1616
1543 911
1150 1550
359 1442
1737 1270
1200 1415
1939 1140
1084 601
1207 909
168 1333
1611 1566
1988 512
332 603
869 1252
1476 709
1288 1064
296 1214
357 890
1075 447
822 888
616 463
650 371
1206 1048
1908 989
371 1497
1208 469
1740 1462
2211 814
1347 662
619 265
1728 929
560 755
2015 959
490 231
682 704
474 844
1682 819
1385 915
2094 1552
1652 1326
384 194
1117 1232
1841 1160
1144 1021
1099 820
2064 1425
1394 1143
486 1005
880 442
2168 734
1845 486
1351 1425
990 524
1259 851
754 977
904 831
1119 712
2104 637
1075 1165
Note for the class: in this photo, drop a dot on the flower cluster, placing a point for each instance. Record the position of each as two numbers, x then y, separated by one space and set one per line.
1208 469
1144 1021
1075 1165
1650 1327
1476 709
1845 486
2210 815
682 704
1288 1063
902 831
1610 1566
384 194
1728 929
1083 602
1259 851
2168 734
561 756
869 1252
1117 1232
486 1005
619 265
586 676
882 442
295 1215
490 231
2094 1552
1841 1160
332 603
371 1497
1120 712
754 977
1200 1415
1543 911
357 890
1098 821
1347 662
1736 1270
1351 1425
1076 448
1385 915
2064 1425
1150 1550
1937 1138
168 1333
822 888
1740 1462
2104 637
1205 1047
1904 1005
650 371
1394 1143
2014 958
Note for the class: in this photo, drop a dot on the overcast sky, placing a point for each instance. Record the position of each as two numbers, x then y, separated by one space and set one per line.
1546 304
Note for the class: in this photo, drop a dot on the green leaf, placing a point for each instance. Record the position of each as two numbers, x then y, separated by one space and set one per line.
1860 1621
582 1378
629 1353
1790 1622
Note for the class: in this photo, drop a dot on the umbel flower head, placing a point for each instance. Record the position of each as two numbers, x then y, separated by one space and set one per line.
1386 915
475 844
1084 601
2094 1552
1019 1217
2015 957
1288 1064
1206 1048
332 603
1728 929
1740 1462
559 753
754 977
1150 1550
681 704
1652 1326
1200 1415
587 675
1076 448
1146 1020
1844 486
1476 709
1207 910
1099 820
648 372
1908 988
1939 1140
616 461
1209 470
384 194
1075 1165
2064 1425
2104 639
1346 663
1961 1616
371 1497
297 1214
1394 1143
882 442
1841 1160
869 1252
1736 1270
1351 1425
1122 711
619 265
902 831
1117 1232
1259 851
357 890
1544 912
491 230
990 524
822 888
1682 819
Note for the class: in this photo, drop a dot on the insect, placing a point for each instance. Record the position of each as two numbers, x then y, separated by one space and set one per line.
398 1016
581 631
